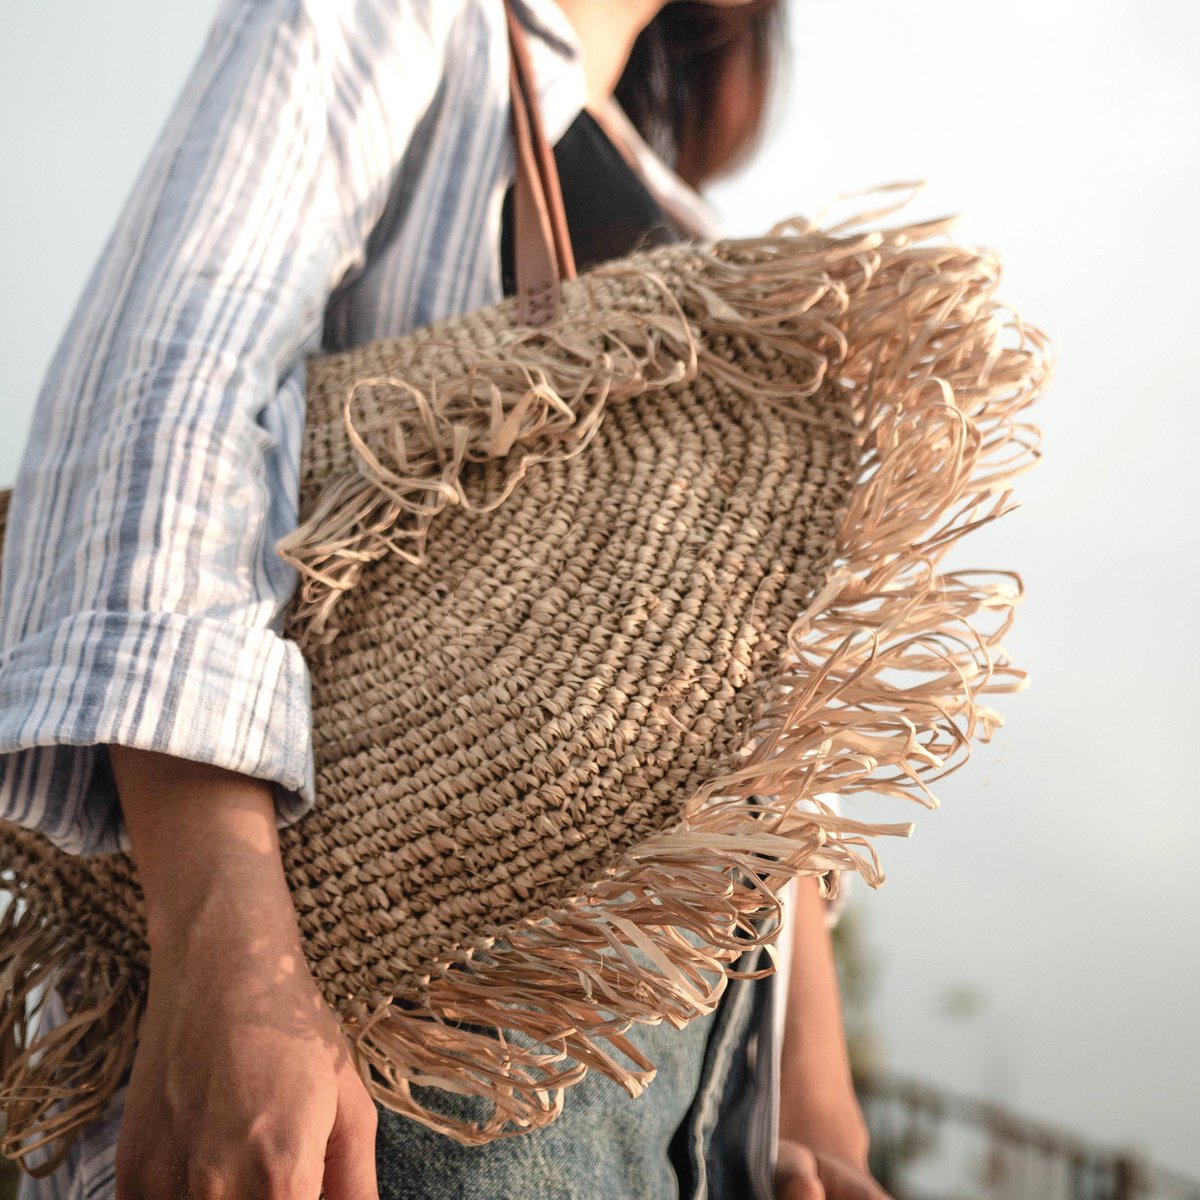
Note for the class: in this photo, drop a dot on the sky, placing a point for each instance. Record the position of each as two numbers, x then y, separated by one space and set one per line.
1056 884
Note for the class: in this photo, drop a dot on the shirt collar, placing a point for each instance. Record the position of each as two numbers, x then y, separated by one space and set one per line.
545 19
556 57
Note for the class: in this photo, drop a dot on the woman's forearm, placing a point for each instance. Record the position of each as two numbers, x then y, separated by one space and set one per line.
206 847
243 1083
818 1106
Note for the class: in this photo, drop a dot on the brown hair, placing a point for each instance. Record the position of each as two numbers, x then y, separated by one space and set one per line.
697 81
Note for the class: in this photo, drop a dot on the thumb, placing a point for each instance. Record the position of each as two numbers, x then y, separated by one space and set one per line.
350 1160
796 1173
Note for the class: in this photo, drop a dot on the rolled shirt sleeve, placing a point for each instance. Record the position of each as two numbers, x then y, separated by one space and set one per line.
141 599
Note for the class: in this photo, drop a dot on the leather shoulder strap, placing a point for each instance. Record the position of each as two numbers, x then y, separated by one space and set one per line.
541 240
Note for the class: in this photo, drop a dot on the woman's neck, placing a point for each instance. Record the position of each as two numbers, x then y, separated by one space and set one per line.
607 30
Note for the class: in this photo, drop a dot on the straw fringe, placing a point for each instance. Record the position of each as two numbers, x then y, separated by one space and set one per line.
882 691
57 1080
542 395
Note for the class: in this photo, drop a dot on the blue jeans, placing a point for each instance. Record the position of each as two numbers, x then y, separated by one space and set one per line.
684 1138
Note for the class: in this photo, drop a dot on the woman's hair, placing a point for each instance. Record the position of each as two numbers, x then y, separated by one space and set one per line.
697 81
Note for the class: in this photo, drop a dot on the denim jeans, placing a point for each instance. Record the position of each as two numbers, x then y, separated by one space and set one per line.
683 1138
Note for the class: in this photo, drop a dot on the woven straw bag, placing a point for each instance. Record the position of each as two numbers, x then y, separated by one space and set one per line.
597 585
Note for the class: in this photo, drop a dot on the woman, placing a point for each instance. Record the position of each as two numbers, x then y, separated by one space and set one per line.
330 174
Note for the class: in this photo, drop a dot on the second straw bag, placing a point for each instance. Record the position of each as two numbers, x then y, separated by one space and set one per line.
604 591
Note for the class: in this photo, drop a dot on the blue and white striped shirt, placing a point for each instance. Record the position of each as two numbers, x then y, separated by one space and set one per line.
330 173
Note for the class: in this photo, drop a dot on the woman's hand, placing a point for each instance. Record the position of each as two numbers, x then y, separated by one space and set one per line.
242 1084
805 1173
823 1154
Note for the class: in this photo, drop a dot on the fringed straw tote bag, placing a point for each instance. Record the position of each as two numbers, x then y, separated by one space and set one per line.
598 585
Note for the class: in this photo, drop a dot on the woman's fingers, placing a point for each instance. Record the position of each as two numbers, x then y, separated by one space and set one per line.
803 1173
350 1151
844 1181
796 1173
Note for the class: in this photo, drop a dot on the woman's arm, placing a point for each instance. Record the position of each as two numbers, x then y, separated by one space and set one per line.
142 597
823 1137
242 1083
817 1099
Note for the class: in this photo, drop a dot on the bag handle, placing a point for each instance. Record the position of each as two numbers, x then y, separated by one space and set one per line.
541 240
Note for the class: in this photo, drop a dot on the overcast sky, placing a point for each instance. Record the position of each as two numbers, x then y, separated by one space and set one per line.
1058 880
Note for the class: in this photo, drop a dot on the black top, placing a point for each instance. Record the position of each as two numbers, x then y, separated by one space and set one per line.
610 212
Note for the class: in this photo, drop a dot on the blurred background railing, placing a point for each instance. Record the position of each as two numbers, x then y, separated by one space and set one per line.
930 1144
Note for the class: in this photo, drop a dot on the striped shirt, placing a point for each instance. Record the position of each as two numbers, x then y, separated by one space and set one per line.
330 173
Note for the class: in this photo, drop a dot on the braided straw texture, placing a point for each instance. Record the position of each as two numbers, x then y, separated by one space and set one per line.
588 611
